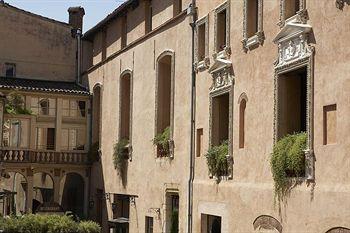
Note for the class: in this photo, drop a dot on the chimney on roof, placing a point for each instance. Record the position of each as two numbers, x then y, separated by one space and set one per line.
76 15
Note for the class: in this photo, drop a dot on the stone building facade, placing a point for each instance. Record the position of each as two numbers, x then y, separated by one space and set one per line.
44 114
256 71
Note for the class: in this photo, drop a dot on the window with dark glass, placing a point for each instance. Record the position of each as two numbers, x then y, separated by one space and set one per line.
252 17
221 30
74 108
291 8
149 224
45 138
10 69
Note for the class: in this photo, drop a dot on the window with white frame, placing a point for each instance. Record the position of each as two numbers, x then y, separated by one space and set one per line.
293 11
43 106
73 139
74 108
222 27
202 39
253 34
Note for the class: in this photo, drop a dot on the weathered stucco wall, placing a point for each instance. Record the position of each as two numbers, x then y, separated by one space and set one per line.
40 47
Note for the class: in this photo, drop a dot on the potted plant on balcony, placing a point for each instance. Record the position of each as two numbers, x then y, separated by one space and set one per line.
121 154
217 160
288 161
162 141
14 105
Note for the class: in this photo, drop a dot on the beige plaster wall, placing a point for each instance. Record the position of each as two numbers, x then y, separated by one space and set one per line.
41 48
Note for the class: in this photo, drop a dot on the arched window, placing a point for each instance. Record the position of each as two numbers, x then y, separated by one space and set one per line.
96 113
267 223
164 97
242 106
125 106
339 230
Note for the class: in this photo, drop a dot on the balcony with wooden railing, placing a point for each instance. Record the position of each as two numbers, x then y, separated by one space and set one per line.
8 155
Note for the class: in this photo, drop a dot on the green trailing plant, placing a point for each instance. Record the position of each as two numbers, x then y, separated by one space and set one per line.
93 154
14 105
161 140
46 224
217 159
120 154
288 160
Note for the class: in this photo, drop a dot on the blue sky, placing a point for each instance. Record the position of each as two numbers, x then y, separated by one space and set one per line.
95 10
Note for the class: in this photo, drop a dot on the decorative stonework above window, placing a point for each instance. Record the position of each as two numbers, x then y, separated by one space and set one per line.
221 72
299 15
341 3
222 28
202 60
253 34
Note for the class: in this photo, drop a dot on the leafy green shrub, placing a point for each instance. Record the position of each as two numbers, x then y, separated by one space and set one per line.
288 160
15 105
217 159
88 227
46 224
93 154
120 154
161 140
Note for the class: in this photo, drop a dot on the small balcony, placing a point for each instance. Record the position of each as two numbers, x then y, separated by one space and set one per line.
8 155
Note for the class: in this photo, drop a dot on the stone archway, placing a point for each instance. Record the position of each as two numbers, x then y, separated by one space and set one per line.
72 193
339 230
266 223
43 189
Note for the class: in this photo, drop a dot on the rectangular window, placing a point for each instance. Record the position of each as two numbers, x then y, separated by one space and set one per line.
121 209
177 7
10 69
291 7
172 212
292 102
199 148
104 44
149 224
210 223
330 124
220 119
221 30
201 41
45 138
124 31
43 106
73 139
148 16
252 17
16 133
74 108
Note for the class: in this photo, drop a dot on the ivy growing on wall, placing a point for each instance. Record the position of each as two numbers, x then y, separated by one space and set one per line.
288 160
14 105
120 154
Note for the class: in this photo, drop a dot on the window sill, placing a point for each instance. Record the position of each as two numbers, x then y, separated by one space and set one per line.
223 54
253 41
300 17
202 65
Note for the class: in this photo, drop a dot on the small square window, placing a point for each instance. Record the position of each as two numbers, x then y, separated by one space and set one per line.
10 69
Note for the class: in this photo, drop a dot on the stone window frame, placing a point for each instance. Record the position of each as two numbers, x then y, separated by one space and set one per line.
215 93
308 63
242 128
126 72
205 63
101 87
259 37
227 50
301 16
267 222
167 52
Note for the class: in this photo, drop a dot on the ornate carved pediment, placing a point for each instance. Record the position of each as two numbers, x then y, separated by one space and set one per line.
293 43
222 74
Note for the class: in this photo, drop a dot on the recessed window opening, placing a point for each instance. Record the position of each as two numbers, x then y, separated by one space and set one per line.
172 212
16 133
177 7
104 44
220 119
124 32
125 91
252 17
73 139
43 106
292 98
201 42
221 30
291 8
242 107
10 69
96 114
199 148
210 224
45 138
149 224
148 15
330 124
121 209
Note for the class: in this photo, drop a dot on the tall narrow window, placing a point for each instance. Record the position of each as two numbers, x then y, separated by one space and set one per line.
125 106
149 224
242 107
330 124
104 44
177 7
221 37
291 8
96 107
292 102
148 16
210 224
10 69
16 133
121 211
124 30
199 148
201 41
45 138
164 100
220 119
172 212
253 17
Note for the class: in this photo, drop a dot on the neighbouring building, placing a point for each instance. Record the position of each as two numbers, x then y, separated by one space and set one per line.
262 70
45 121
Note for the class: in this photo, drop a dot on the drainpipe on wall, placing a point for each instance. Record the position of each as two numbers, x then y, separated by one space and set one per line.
193 11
